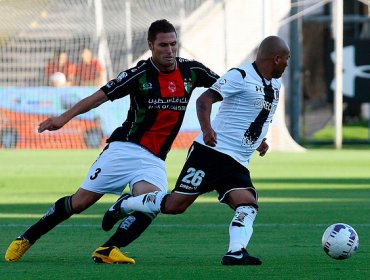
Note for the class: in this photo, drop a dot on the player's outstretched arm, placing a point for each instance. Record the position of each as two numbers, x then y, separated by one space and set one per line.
83 106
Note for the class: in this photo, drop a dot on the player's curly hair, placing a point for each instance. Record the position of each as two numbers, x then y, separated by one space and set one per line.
160 26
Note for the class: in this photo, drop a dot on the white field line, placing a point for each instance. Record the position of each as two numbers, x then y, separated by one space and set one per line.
189 225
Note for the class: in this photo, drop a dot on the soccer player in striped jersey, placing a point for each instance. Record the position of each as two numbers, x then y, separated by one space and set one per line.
220 155
159 89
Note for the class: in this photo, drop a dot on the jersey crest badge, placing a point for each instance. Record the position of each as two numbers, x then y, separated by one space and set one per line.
188 86
172 87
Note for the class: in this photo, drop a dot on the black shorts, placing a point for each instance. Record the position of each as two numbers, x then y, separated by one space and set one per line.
206 170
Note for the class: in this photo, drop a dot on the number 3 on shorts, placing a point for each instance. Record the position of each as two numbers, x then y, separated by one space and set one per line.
97 171
194 177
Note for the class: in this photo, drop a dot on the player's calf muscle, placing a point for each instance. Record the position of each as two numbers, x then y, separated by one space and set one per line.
173 204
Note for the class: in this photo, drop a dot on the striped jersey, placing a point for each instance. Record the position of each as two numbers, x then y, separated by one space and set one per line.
248 105
158 101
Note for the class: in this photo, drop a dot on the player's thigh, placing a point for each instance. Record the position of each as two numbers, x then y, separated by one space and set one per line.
108 174
123 163
150 175
142 187
198 173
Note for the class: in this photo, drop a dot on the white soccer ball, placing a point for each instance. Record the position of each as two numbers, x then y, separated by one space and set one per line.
340 241
58 79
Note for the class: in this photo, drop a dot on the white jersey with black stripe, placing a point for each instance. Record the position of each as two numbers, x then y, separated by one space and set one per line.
248 105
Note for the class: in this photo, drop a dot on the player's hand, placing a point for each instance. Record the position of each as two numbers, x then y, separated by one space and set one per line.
53 123
263 147
210 137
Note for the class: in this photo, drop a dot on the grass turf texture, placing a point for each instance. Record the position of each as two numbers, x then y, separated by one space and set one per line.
300 195
353 131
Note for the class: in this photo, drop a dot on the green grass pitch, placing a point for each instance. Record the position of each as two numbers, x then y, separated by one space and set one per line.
300 195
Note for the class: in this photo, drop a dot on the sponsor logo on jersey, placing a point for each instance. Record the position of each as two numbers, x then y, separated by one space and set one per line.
259 89
222 82
174 103
109 84
263 104
186 187
146 86
121 76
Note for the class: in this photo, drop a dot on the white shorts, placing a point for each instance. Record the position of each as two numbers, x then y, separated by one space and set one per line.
125 163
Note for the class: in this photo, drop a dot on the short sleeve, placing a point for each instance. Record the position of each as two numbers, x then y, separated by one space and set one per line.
229 84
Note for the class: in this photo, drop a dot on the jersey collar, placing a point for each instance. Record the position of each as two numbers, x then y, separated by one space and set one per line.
259 74
165 72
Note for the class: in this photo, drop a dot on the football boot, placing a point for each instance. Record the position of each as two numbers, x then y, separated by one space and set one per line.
17 249
114 213
240 258
111 255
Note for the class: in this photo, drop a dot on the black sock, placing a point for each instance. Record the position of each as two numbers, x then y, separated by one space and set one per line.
58 213
130 229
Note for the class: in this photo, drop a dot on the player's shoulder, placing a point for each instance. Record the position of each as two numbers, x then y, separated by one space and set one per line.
188 62
141 66
247 72
247 69
239 73
196 66
129 75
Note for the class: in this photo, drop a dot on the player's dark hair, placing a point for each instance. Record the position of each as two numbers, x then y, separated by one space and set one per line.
160 26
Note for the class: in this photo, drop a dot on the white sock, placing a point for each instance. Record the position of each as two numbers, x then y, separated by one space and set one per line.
147 203
241 227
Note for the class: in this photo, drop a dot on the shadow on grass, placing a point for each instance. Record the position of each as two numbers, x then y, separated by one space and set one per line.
315 181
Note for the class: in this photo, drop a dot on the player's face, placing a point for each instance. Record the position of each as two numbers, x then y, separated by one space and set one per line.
281 62
164 50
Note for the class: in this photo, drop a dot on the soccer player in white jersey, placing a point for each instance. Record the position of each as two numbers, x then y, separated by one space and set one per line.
219 157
